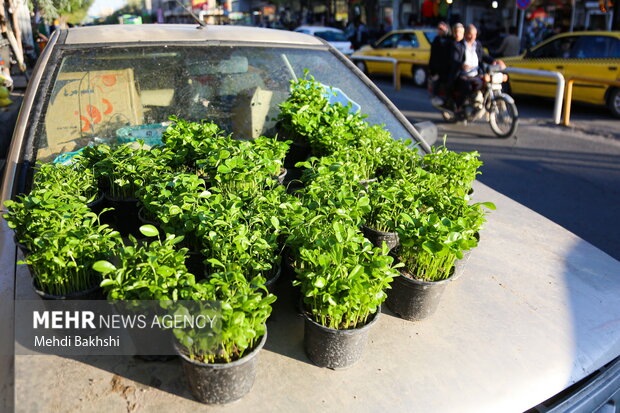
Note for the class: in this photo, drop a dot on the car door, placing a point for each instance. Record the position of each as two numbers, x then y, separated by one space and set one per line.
407 48
555 55
595 56
384 48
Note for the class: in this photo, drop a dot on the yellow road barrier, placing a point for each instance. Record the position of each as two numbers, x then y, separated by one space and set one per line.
569 92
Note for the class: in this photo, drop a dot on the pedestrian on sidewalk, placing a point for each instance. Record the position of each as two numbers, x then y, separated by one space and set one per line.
439 62
511 45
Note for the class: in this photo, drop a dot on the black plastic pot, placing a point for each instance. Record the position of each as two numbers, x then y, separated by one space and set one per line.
194 261
413 299
378 237
125 215
93 293
221 383
142 341
142 217
288 271
97 204
271 281
297 152
335 349
25 250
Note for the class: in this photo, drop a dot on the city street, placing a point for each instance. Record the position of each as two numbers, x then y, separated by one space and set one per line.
570 175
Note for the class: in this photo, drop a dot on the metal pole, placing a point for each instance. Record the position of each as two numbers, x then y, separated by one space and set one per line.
569 94
572 15
559 90
396 75
559 95
395 14
521 18
515 11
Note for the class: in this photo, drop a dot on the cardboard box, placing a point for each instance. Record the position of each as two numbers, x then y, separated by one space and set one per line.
92 104
251 113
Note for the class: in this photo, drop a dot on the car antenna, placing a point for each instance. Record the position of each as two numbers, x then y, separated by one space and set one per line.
200 22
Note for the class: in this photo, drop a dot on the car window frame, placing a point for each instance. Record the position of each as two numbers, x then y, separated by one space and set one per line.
393 35
551 42
414 43
583 39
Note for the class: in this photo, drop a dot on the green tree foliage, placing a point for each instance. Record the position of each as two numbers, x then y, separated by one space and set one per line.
53 9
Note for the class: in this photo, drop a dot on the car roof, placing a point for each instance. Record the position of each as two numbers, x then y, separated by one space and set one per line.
597 33
123 33
319 29
417 29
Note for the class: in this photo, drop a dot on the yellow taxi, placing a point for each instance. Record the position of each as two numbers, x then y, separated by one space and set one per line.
401 45
591 54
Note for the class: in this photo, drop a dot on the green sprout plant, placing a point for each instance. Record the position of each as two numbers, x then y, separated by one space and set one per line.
148 270
125 169
75 181
63 254
243 314
308 116
188 142
460 169
342 277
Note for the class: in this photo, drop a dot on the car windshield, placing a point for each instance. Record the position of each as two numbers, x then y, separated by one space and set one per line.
331 36
119 94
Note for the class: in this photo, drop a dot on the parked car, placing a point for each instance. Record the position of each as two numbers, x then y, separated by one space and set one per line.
532 323
333 36
401 45
591 54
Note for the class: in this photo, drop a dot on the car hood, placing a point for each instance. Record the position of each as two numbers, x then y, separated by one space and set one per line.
536 310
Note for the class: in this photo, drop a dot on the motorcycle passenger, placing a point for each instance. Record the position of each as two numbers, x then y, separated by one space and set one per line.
467 60
439 62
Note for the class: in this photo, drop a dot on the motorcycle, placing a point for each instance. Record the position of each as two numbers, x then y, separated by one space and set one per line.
490 102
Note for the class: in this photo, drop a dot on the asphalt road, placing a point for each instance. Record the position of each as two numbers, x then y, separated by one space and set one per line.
570 175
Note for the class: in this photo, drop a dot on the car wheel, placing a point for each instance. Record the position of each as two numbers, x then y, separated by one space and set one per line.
419 76
613 102
361 66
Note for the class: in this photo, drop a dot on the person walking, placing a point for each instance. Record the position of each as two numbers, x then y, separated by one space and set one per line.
511 45
454 60
428 12
439 62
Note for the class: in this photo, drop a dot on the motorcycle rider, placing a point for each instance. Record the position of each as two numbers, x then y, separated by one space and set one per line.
468 57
